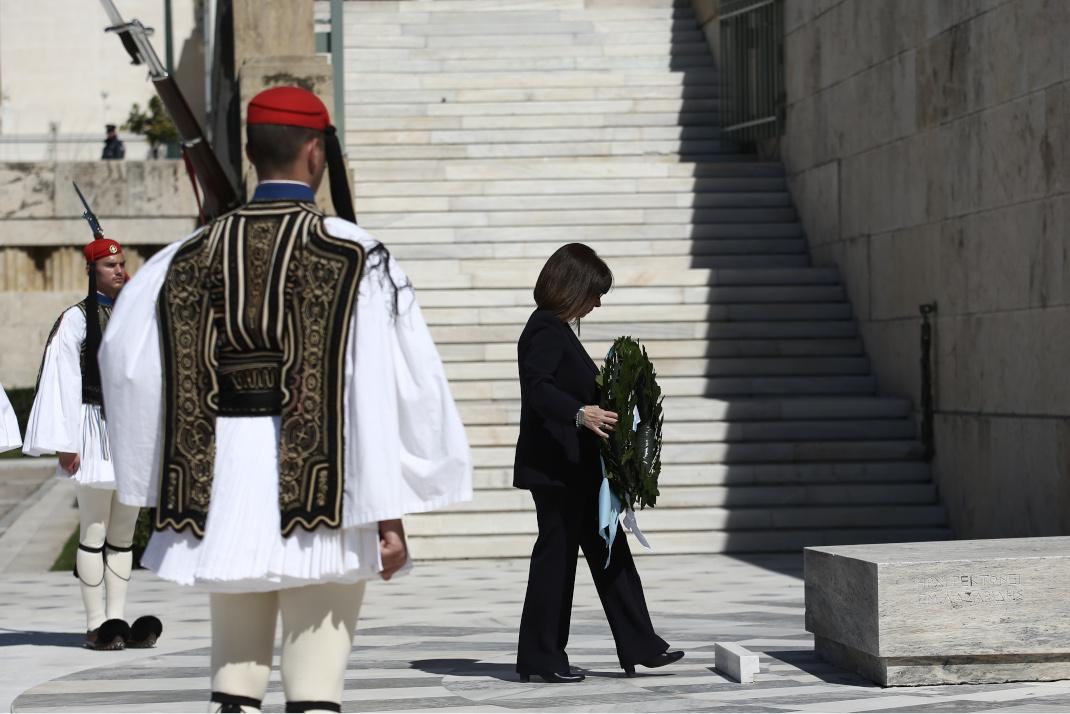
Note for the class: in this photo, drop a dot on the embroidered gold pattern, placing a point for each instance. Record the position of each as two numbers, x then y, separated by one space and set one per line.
255 318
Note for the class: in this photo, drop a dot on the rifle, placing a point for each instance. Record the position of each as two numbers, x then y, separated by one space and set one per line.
219 194
88 215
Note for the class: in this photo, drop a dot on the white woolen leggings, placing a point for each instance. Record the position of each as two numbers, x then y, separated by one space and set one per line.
318 622
104 573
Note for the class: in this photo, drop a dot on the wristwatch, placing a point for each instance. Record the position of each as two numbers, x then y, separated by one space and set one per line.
579 417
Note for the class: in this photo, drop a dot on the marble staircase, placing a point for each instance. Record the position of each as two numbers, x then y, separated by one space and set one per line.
483 134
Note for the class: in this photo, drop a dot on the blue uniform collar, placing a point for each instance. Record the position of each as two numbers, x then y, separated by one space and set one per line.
104 300
284 191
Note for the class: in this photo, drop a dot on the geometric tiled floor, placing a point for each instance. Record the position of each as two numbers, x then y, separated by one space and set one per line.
444 638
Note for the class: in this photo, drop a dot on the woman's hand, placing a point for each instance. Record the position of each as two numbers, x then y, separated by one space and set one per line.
599 420
69 462
392 549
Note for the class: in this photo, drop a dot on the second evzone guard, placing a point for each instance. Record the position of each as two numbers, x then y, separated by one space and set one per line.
68 419
283 405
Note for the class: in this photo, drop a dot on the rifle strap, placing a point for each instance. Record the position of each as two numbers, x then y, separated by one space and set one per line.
196 188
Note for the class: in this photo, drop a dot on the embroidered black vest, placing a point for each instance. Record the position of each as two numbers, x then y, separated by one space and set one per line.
91 393
254 319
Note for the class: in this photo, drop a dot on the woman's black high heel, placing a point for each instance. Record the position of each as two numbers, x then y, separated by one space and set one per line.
654 662
553 677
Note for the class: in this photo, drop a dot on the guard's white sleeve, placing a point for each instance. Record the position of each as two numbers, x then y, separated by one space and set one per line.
406 450
132 376
55 423
10 436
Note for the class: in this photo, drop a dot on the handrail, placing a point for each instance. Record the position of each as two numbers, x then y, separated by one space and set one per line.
752 69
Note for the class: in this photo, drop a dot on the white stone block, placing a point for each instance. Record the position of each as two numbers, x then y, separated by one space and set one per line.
735 661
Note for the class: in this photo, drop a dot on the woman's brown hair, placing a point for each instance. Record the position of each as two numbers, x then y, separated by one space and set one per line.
571 280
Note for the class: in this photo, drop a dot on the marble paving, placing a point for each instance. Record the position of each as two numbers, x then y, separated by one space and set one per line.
444 638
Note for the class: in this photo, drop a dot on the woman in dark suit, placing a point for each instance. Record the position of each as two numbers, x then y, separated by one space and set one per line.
557 460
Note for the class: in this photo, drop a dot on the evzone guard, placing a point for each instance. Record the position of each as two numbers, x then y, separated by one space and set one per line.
283 405
68 419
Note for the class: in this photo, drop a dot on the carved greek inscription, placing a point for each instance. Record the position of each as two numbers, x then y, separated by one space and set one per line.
970 589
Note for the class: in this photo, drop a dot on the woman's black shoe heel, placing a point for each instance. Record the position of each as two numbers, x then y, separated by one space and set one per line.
654 662
553 677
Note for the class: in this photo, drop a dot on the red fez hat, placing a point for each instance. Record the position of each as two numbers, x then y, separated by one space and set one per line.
100 248
289 106
294 106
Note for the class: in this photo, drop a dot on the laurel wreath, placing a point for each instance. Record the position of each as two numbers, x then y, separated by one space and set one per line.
632 453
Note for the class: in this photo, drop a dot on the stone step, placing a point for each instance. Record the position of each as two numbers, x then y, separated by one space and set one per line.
706 136
838 474
699 270
363 15
575 202
654 521
724 432
357 53
593 92
370 188
628 276
674 149
585 167
575 217
671 349
780 495
446 334
502 36
680 410
698 542
405 60
699 386
751 452
521 297
639 315
576 109
696 234
480 25
606 249
515 122
761 366
360 81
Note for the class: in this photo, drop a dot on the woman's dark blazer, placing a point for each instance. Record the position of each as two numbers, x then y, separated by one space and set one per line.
557 377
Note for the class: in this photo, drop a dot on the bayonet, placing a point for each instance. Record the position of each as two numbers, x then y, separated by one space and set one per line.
88 215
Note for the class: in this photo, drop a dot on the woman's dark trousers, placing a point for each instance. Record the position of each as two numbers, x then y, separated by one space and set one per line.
568 520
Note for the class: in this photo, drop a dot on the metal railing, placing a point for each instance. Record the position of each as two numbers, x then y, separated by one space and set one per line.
752 69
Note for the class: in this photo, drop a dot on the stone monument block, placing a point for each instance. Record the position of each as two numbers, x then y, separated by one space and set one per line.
907 614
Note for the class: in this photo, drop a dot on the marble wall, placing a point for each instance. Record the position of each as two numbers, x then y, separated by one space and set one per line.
142 204
928 148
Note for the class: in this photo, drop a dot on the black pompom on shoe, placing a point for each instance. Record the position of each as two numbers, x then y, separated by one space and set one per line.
112 635
144 632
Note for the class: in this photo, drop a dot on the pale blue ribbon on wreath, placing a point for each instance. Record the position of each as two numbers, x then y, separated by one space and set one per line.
610 509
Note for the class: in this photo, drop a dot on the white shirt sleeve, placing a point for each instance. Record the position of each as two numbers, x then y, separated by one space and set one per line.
406 450
55 419
131 373
10 436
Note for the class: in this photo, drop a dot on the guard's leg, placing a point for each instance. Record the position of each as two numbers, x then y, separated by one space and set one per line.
243 640
318 622
118 555
93 506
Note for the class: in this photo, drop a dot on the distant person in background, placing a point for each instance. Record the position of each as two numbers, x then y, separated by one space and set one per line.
113 145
